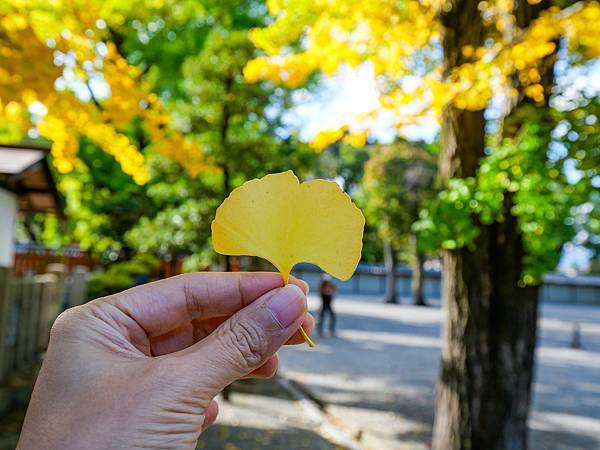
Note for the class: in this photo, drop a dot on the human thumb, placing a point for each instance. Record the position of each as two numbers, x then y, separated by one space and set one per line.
246 340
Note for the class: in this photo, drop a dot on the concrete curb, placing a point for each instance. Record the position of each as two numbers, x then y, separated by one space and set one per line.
315 414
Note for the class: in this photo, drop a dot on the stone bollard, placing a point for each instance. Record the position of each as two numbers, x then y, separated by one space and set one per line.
14 295
78 287
34 322
25 303
58 302
576 336
47 308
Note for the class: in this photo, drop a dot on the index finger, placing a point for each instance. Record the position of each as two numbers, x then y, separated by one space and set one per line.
164 305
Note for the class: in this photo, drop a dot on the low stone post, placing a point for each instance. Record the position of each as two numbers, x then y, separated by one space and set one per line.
14 295
78 286
23 300
33 323
47 308
58 302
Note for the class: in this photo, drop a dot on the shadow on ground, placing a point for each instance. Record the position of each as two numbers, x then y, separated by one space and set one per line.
561 440
253 417
378 375
228 437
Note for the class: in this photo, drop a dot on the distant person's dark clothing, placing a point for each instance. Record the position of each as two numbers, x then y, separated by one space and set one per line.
327 290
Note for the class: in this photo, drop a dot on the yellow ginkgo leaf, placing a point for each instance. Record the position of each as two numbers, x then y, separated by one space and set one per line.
286 222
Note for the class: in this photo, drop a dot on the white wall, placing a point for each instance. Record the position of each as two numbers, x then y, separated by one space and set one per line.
8 212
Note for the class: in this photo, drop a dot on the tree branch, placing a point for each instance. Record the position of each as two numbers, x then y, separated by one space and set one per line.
94 99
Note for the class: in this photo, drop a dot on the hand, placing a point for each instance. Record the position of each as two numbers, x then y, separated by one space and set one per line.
140 369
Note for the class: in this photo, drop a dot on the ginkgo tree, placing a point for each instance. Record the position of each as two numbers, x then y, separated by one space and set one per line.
506 208
399 181
160 71
63 77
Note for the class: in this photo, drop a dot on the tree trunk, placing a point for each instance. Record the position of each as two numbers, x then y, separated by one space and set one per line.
483 393
417 276
224 129
489 342
226 259
225 118
389 254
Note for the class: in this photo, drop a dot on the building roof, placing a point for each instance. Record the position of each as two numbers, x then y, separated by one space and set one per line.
24 170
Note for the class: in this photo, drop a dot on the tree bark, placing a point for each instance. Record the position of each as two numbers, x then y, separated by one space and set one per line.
418 280
223 132
483 392
226 259
389 254
489 341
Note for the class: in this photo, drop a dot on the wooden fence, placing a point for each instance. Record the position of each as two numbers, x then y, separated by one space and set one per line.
33 259
28 307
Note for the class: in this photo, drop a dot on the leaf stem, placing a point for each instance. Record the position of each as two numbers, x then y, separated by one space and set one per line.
285 275
307 339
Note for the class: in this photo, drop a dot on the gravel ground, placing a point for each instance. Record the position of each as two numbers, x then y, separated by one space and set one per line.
377 376
376 379
260 415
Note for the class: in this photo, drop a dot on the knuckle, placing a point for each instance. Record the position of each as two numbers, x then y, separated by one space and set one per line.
65 322
192 298
247 342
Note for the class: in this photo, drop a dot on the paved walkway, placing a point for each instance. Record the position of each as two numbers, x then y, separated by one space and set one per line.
377 381
377 376
261 415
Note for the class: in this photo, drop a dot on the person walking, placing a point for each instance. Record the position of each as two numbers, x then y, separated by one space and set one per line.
327 289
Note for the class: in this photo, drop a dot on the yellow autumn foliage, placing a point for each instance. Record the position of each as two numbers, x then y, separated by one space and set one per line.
36 38
392 35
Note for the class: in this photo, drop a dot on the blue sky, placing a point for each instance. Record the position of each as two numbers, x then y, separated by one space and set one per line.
340 99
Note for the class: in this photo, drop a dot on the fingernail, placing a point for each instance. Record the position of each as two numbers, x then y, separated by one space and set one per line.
287 305
306 287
